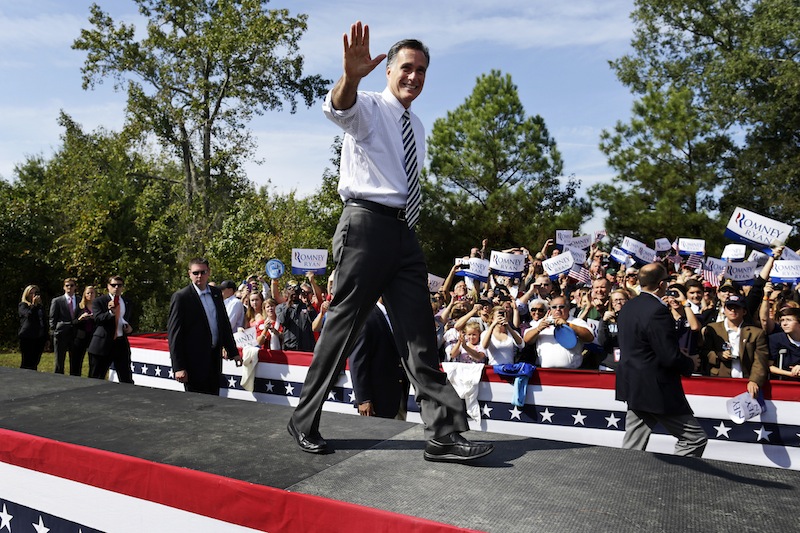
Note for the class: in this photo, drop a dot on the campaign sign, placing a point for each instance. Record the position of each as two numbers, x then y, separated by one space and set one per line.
756 230
506 264
304 260
478 269
789 255
758 257
245 338
785 272
632 246
582 242
743 407
663 245
620 256
646 255
578 255
743 272
558 264
691 246
734 252
275 268
717 266
563 236
599 235
434 283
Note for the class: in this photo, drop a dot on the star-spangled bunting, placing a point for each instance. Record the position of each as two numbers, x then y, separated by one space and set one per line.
5 519
722 429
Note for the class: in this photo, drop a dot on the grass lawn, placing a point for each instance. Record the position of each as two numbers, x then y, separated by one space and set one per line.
12 359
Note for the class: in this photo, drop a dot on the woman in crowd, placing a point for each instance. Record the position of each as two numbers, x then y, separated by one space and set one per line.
269 333
253 312
500 341
32 327
84 329
784 346
607 329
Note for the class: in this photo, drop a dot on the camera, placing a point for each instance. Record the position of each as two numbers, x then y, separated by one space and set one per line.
673 293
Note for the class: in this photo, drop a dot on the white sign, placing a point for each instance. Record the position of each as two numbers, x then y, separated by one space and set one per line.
742 408
785 272
663 245
743 272
789 255
756 230
717 266
583 242
691 246
563 236
734 252
578 255
506 264
621 256
478 269
558 264
646 255
632 246
434 283
304 260
245 338
599 235
758 257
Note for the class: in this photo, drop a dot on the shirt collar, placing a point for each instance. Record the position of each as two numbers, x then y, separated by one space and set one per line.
199 292
395 105
654 295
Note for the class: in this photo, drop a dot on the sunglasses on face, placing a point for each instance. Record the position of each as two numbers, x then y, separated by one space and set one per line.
537 310
199 272
561 306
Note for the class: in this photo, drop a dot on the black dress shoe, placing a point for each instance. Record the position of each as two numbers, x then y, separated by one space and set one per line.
456 449
307 443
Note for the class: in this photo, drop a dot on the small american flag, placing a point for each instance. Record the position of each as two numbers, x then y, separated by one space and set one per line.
709 276
693 261
579 272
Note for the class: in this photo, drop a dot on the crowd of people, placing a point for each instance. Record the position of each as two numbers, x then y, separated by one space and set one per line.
750 332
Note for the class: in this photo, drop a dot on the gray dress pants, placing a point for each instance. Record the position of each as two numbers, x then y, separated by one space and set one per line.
377 254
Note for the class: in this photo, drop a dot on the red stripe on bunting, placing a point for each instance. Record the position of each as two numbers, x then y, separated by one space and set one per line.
229 500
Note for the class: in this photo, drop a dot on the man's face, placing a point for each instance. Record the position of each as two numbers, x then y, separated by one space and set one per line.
734 314
544 286
789 324
406 75
695 295
558 308
69 288
115 287
199 273
600 289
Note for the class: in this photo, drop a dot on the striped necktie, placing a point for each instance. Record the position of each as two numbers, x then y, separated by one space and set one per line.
414 193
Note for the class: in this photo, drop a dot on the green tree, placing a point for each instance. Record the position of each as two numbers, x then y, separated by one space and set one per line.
667 160
201 72
740 61
494 173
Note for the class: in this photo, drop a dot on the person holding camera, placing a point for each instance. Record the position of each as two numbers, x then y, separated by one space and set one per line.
297 319
551 353
501 341
687 324
608 331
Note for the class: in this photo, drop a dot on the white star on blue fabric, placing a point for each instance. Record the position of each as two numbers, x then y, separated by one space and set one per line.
133 369
270 387
579 418
515 413
157 371
352 396
612 421
171 374
5 519
40 526
332 396
232 383
546 415
487 411
722 429
762 434
289 390
144 369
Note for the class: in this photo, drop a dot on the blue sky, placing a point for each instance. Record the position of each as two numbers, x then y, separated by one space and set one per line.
557 54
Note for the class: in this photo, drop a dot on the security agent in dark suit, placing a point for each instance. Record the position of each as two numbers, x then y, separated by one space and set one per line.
650 369
110 344
64 319
380 384
197 330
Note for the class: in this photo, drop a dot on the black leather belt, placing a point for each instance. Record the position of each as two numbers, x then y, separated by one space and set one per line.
394 212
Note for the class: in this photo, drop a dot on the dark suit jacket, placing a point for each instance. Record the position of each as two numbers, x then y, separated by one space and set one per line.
62 324
753 352
189 338
650 367
105 325
375 367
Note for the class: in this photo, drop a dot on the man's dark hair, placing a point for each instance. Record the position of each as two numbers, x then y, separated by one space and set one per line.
199 261
693 283
116 278
406 43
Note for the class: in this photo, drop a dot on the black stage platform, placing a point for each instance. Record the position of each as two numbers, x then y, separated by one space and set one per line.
525 485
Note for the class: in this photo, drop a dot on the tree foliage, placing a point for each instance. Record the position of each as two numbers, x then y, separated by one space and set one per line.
734 66
494 173
201 72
